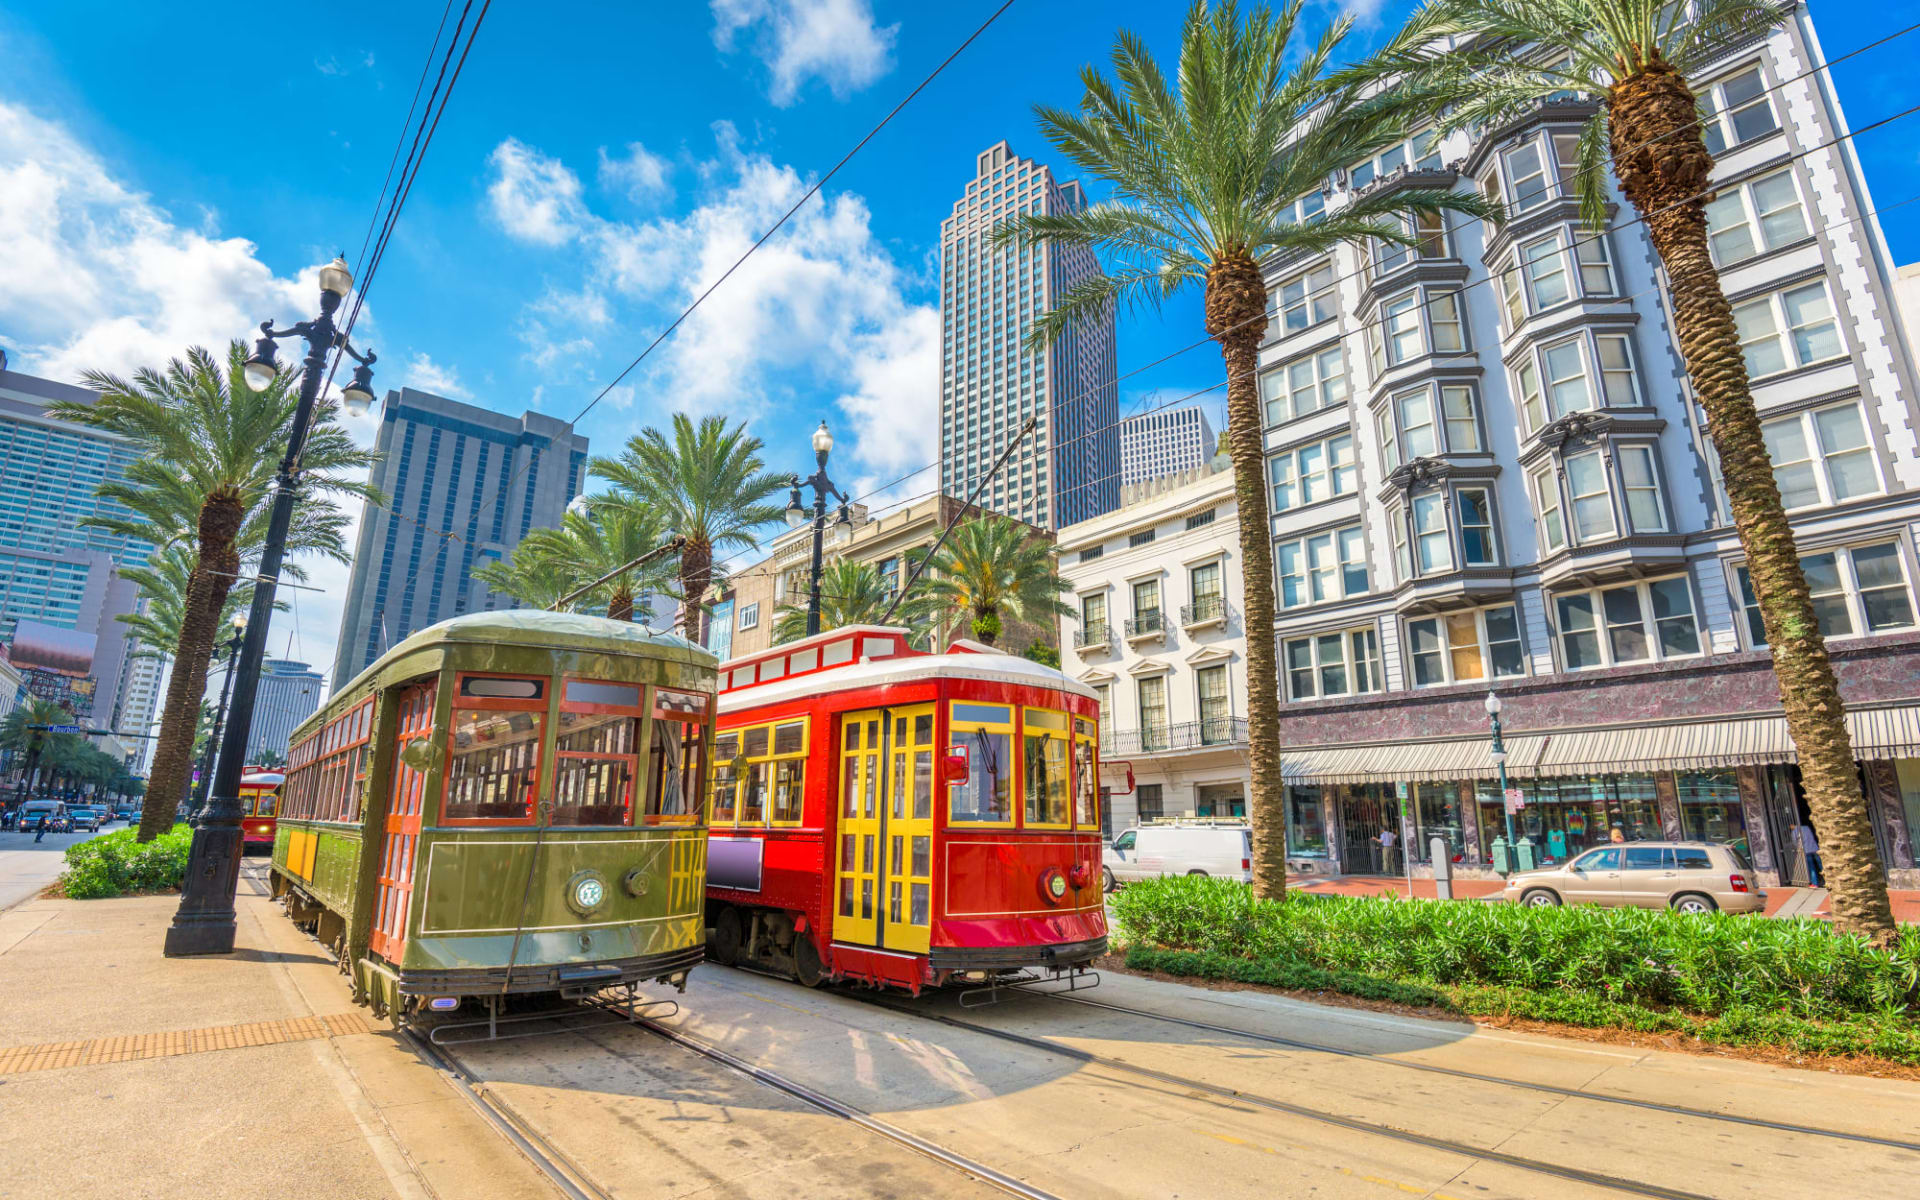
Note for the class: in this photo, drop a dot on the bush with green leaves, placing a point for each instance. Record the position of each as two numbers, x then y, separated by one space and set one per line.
115 864
1711 965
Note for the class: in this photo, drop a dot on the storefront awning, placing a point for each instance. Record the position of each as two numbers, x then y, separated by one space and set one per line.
1683 746
1457 758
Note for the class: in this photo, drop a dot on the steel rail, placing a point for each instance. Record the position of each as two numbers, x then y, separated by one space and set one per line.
1679 1110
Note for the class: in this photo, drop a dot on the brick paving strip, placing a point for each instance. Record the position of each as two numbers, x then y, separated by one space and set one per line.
53 1056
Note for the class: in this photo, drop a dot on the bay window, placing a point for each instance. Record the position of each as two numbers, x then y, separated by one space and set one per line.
1429 232
1575 374
1526 177
1464 646
1398 335
1754 217
1821 457
1545 265
1636 622
1641 484
1474 509
1858 590
1589 496
1331 565
1430 533
1418 435
1346 663
1422 150
1739 110
1463 429
1314 472
1432 538
1793 328
1305 385
1303 301
1546 502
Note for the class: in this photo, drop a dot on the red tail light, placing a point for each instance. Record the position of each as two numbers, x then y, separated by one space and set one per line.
1246 864
1739 882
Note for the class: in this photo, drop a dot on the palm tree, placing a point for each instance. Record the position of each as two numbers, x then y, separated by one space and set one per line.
163 583
19 734
992 570
1204 176
851 593
707 484
209 448
598 538
1636 56
529 575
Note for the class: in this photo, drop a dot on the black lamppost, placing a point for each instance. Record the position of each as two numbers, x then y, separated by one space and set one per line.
204 923
1499 755
232 647
796 513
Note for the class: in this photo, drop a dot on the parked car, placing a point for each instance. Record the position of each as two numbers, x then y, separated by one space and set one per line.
54 810
1694 877
1180 847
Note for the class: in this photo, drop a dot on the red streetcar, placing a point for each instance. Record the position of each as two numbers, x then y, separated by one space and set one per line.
259 807
901 818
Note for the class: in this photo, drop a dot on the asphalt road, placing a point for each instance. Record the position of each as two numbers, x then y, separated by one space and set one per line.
26 866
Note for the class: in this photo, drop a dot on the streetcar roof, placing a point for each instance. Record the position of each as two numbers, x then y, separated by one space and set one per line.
537 627
907 668
263 779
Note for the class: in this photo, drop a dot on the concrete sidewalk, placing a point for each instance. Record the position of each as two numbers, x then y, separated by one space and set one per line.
127 1074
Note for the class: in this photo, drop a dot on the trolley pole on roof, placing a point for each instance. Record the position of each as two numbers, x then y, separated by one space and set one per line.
204 922
822 488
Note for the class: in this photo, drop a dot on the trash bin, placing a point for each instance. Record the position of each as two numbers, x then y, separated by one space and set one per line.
1501 866
1442 856
1523 853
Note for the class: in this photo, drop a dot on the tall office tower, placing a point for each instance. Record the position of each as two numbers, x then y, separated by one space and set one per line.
1068 468
1163 443
58 575
288 694
140 707
448 467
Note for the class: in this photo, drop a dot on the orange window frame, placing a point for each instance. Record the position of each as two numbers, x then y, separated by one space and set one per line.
636 712
690 709
542 774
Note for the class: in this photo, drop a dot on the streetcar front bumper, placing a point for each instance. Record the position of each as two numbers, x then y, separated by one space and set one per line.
1060 957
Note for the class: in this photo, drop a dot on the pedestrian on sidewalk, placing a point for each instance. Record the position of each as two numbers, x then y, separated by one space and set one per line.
1386 851
41 828
1803 836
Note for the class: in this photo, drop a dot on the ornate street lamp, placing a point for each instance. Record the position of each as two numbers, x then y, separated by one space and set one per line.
1499 756
232 647
204 923
797 515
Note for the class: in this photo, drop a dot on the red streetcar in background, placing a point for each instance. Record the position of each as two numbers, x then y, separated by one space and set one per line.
901 818
259 807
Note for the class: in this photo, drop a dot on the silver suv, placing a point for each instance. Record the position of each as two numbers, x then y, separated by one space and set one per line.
1686 876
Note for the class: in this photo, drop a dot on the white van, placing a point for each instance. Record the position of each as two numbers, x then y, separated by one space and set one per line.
1180 847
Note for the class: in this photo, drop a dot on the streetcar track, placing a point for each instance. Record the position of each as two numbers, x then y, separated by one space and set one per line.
1528 1085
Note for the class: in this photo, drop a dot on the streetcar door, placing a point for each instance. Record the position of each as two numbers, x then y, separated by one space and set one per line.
401 829
908 867
857 856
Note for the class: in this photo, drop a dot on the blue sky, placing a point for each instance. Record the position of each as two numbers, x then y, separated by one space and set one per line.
173 174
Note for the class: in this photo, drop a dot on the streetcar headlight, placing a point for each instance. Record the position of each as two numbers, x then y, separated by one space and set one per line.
1058 886
586 892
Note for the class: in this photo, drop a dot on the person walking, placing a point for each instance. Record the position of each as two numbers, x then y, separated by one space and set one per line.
1803 836
40 830
1386 851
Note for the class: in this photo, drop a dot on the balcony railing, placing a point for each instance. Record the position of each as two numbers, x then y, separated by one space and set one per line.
1146 623
1186 735
1204 611
1092 637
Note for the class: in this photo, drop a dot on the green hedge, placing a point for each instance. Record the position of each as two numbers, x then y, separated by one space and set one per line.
114 864
1709 965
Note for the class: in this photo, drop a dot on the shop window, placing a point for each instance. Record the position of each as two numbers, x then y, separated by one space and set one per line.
1788 329
1307 823
1344 663
1438 807
1757 216
1862 589
1635 623
1567 816
1710 808
1465 646
1821 457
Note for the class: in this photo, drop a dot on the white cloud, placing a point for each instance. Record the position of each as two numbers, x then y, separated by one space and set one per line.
429 376
818 316
641 176
534 197
835 41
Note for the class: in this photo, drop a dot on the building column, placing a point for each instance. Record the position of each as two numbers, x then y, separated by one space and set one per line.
1753 806
1666 794
1883 800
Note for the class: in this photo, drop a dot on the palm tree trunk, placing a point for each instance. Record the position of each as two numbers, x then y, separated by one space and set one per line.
1236 302
1663 166
696 570
207 589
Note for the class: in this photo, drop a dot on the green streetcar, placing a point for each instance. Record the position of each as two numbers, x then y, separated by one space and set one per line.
505 803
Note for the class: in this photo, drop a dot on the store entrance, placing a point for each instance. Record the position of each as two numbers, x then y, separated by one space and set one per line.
1366 812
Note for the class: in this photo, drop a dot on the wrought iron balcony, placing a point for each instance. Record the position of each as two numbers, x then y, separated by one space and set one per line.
1207 610
1147 623
1092 637
1166 739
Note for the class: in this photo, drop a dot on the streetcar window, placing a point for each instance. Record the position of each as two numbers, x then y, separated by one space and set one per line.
595 767
618 695
673 788
1047 778
1086 783
502 689
493 765
987 795
726 751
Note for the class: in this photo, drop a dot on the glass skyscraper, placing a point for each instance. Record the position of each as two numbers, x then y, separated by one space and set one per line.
1068 469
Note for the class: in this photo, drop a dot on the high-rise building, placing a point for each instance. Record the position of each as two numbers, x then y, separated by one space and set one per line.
449 468
1068 468
56 571
1164 443
288 694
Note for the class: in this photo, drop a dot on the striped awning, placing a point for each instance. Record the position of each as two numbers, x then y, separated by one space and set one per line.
1455 758
1698 745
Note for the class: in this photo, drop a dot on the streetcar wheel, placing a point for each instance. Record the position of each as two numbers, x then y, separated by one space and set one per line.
724 946
807 967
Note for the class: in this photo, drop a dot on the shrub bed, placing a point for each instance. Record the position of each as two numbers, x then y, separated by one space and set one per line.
115 864
1716 966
